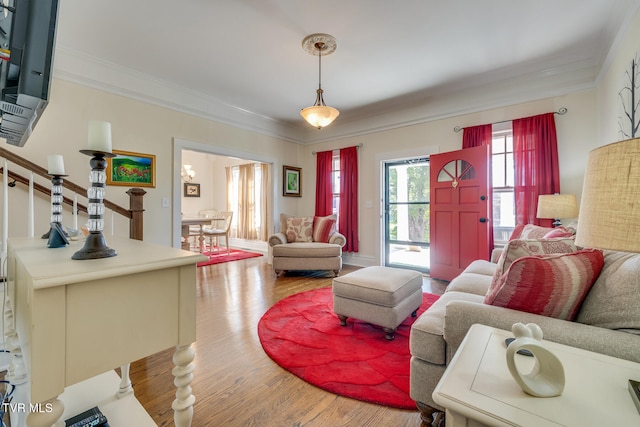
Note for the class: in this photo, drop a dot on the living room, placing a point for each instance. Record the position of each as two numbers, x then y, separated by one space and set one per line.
144 120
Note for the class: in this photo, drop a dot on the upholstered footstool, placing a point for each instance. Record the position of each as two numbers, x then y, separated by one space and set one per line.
382 296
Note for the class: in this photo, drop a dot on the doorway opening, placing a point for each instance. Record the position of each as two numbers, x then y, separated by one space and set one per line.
406 214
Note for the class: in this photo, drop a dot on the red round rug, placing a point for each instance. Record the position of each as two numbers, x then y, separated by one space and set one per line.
302 334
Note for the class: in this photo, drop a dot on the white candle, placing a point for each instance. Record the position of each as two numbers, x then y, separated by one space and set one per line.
75 212
100 136
56 164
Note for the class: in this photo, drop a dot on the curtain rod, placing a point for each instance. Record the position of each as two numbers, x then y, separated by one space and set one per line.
561 112
357 146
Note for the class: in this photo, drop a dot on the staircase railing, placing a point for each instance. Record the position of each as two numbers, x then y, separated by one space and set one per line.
136 206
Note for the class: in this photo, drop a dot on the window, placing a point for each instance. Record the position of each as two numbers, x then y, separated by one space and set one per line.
504 213
335 179
253 204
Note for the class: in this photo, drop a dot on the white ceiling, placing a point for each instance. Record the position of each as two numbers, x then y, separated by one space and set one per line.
397 63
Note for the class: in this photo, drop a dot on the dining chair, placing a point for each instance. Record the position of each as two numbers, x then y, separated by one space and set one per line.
194 230
215 231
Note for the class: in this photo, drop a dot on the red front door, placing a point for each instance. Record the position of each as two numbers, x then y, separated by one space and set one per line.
460 207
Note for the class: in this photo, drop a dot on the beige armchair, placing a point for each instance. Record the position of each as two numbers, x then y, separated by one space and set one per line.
307 243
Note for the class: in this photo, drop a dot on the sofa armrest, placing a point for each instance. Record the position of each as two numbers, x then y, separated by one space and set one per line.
277 239
460 315
495 255
337 239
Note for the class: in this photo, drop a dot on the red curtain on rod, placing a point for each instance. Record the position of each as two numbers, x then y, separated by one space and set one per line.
535 147
348 215
475 136
324 186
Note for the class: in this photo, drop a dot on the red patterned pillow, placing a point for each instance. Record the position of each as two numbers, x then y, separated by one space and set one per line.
299 229
519 248
531 231
550 285
323 228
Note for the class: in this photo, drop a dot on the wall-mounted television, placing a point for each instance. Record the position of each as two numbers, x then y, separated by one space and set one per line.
27 43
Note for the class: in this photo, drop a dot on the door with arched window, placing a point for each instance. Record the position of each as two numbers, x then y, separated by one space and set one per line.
460 210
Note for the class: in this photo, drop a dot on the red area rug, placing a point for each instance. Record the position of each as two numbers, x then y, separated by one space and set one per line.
302 334
221 256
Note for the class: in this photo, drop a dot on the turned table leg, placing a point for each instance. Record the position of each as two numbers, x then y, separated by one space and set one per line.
125 388
183 373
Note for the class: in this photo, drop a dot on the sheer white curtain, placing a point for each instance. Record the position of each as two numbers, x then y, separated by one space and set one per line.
247 196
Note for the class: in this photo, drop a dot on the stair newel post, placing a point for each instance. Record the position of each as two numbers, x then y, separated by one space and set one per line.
136 201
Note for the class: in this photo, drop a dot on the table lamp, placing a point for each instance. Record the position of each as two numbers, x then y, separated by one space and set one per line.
610 207
556 206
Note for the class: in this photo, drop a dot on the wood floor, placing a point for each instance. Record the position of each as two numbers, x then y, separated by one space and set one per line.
235 382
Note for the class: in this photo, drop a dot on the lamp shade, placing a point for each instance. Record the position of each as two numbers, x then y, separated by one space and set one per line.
610 207
319 116
557 206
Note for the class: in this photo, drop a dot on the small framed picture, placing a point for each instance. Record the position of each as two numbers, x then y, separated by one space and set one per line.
292 181
191 189
131 169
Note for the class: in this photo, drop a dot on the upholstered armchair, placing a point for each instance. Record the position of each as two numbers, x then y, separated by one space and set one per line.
307 243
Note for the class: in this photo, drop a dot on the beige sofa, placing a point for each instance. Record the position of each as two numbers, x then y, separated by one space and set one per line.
310 252
607 322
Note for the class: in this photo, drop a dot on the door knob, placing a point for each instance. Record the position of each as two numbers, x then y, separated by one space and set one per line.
483 198
483 220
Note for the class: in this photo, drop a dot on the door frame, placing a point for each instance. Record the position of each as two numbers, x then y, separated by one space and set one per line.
380 159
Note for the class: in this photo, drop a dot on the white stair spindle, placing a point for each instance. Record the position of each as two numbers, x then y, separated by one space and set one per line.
30 231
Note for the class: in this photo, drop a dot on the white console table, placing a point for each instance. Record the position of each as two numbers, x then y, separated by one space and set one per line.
67 321
478 390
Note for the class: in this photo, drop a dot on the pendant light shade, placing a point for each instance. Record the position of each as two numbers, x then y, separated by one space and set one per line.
319 114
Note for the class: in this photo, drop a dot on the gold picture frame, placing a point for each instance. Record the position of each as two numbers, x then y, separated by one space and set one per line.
131 169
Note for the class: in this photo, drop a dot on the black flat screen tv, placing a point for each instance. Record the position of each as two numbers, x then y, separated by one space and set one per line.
27 44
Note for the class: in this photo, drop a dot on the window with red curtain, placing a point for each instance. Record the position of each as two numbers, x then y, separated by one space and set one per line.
537 172
348 214
324 187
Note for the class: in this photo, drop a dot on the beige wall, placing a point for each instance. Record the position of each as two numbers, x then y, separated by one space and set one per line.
613 79
576 133
138 127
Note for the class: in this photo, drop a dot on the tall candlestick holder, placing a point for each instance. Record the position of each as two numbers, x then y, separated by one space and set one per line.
57 237
95 245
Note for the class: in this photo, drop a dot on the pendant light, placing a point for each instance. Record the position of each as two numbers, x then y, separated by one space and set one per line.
319 114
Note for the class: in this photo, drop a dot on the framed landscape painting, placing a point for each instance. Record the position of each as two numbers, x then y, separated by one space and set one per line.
292 181
131 169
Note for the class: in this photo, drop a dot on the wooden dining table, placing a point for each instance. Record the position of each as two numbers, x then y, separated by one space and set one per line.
200 221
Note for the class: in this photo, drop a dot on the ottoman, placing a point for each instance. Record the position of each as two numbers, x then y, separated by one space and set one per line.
382 296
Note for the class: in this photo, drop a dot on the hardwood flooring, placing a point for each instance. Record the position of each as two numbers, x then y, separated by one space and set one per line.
235 382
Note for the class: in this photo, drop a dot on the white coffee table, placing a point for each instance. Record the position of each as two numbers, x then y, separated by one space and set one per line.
477 388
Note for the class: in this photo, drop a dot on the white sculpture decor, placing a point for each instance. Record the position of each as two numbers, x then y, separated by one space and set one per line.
546 378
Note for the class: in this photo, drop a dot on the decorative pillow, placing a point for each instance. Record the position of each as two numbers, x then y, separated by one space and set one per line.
531 231
614 300
549 285
558 232
323 228
299 229
527 247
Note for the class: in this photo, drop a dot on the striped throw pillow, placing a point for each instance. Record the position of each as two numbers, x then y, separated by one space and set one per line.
323 228
549 285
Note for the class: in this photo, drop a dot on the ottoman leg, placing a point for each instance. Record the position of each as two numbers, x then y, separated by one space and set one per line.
390 334
343 320
414 313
